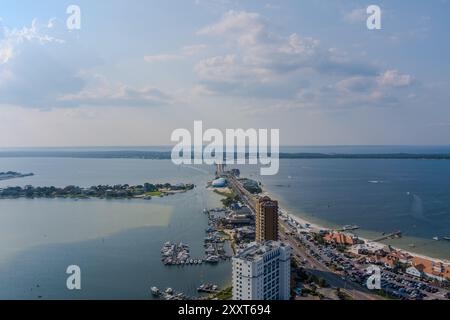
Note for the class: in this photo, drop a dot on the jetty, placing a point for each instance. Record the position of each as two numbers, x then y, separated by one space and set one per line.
397 234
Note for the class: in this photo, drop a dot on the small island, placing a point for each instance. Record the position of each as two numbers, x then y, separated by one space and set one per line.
13 175
119 191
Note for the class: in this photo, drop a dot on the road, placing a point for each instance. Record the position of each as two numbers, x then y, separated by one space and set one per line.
354 290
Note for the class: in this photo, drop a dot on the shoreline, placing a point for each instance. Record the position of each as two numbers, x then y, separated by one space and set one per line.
317 227
14 175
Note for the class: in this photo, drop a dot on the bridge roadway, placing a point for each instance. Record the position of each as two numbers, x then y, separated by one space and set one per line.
354 290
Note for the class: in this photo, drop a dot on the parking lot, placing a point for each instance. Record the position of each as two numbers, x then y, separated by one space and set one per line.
396 285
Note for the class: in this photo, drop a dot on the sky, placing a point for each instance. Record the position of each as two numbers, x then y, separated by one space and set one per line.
137 70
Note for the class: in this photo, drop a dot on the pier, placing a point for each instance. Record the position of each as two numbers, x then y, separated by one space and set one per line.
397 234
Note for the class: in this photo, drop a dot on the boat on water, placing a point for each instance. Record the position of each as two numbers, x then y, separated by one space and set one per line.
169 291
350 227
436 238
208 288
155 291
212 259
446 238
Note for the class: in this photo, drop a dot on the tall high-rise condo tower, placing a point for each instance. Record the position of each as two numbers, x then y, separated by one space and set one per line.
262 271
266 220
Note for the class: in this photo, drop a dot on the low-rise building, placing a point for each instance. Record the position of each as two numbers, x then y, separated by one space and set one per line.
433 269
341 238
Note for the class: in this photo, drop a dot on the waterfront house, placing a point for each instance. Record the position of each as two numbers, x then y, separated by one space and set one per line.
433 269
341 238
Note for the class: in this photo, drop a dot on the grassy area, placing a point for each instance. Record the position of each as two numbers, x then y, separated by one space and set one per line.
230 197
342 295
224 193
154 194
226 294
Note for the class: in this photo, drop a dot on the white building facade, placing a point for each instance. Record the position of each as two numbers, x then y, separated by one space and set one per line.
262 272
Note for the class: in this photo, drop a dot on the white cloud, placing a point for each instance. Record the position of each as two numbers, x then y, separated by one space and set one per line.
38 70
162 57
235 21
395 79
103 92
193 49
6 52
51 23
30 75
356 15
263 62
356 84
186 51
293 70
12 38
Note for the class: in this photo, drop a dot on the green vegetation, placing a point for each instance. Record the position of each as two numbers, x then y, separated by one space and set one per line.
342 295
101 191
154 194
230 198
251 185
318 238
12 175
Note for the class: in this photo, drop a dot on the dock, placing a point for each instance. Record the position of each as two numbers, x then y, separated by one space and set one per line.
397 234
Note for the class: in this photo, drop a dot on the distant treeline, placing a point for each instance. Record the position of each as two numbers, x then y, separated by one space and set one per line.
165 155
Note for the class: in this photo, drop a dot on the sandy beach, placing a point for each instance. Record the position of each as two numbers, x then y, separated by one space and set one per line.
316 227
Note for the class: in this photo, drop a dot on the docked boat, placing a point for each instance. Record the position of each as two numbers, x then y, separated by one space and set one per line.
169 291
208 288
212 259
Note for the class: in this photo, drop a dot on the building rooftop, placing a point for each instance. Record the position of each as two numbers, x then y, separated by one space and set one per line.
256 251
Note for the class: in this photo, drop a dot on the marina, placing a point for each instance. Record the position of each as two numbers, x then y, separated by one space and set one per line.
214 245
171 294
168 294
178 254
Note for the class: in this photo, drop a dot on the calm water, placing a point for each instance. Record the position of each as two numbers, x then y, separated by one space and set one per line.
116 243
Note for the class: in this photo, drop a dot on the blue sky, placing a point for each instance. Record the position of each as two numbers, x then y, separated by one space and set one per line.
137 70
